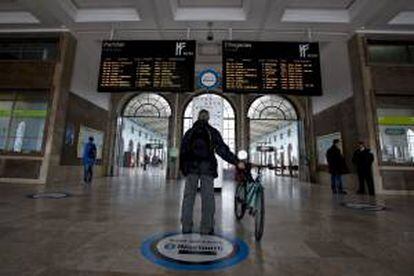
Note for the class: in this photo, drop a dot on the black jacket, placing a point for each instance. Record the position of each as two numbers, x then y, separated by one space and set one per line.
336 161
363 159
208 165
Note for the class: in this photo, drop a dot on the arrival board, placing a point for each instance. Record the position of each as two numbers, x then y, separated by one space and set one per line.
272 67
147 65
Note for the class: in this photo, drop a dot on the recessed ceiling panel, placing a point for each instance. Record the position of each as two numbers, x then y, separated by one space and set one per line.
210 3
86 4
11 17
9 5
321 4
403 18
316 15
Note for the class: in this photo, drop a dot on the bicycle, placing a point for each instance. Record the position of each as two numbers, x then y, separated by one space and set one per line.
249 196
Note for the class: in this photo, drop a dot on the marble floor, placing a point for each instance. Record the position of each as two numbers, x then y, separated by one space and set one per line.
99 231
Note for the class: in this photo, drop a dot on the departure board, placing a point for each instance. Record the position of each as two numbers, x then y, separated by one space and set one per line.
272 67
147 65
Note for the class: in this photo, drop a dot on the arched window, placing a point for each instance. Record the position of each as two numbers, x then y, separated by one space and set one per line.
269 113
150 111
272 107
147 105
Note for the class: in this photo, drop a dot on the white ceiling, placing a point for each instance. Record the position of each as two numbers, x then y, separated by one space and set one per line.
248 19
91 21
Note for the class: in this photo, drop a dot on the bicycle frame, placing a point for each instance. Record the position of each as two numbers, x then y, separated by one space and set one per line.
253 189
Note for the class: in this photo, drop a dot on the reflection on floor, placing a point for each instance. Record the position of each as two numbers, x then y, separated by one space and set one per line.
99 231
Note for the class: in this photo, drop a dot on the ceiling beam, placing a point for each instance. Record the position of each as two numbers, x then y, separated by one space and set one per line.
39 9
52 13
369 14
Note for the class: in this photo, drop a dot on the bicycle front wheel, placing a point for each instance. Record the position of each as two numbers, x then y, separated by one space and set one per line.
240 201
259 218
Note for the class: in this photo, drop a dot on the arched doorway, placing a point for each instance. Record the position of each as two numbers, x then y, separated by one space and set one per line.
274 136
144 122
222 117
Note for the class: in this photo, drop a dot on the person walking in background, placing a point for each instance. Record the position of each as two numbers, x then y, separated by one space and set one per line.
89 159
363 159
146 161
198 163
337 167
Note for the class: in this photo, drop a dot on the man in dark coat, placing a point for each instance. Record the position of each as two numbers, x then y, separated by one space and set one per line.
198 163
337 167
363 159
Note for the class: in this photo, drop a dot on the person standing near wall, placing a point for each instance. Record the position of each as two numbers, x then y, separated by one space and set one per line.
89 159
337 167
363 159
198 163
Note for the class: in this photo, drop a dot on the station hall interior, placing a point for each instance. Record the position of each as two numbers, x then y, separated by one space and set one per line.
281 80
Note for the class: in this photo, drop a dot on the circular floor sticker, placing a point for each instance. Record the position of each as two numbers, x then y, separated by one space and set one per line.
194 251
365 206
48 195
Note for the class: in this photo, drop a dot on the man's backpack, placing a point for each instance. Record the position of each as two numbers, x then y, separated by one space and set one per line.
201 144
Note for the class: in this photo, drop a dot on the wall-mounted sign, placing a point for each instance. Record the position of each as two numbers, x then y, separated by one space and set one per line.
395 131
147 65
173 152
154 146
70 134
265 148
272 67
194 251
208 79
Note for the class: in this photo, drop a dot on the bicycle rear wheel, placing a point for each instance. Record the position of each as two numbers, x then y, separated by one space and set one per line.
259 218
240 201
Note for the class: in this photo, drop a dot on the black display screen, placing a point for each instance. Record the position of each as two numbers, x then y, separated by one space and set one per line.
147 65
272 67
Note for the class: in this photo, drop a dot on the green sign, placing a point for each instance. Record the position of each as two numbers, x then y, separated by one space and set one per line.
5 113
396 121
174 152
23 113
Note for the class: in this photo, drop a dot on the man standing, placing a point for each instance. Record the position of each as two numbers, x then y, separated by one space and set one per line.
337 167
89 159
198 163
363 159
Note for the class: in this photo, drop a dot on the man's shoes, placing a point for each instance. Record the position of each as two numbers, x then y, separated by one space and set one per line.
343 192
360 193
186 231
208 233
334 192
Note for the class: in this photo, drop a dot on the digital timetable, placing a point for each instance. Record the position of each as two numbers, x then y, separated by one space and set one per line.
271 67
147 66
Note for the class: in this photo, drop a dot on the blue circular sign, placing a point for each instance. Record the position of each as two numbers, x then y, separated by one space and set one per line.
194 251
208 79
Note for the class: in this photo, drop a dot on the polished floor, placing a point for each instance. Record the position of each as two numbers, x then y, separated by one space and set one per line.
98 231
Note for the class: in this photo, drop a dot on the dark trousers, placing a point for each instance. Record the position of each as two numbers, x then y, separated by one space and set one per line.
87 173
366 177
336 183
207 203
